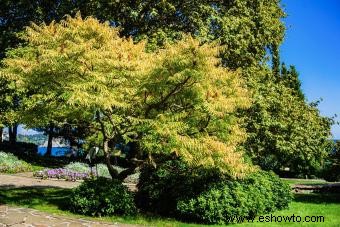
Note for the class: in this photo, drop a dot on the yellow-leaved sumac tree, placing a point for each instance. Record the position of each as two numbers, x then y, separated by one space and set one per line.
178 100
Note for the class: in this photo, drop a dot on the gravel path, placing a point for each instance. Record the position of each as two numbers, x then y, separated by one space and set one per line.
27 180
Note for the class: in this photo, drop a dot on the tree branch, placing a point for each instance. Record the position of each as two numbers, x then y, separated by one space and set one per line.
164 99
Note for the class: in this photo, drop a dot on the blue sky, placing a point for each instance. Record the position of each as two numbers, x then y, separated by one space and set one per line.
312 44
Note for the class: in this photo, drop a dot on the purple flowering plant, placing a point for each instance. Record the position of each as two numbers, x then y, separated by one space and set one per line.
62 173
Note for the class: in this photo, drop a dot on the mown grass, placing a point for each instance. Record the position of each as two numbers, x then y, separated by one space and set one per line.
293 181
54 200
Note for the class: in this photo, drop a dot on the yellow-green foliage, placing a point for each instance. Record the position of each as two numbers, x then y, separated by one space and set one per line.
176 100
192 101
79 61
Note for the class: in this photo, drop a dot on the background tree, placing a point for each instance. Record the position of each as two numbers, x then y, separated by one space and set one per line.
248 28
3 105
9 108
290 78
284 130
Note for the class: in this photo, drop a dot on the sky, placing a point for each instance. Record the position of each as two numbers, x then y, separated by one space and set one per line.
312 44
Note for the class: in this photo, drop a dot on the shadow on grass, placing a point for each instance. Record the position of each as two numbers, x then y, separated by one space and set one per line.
317 198
35 196
48 199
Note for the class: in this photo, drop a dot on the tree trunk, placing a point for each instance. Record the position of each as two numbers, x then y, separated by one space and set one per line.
12 132
1 132
112 171
49 141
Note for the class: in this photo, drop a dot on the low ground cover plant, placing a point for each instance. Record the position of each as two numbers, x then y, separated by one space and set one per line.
133 178
9 163
98 169
78 166
62 173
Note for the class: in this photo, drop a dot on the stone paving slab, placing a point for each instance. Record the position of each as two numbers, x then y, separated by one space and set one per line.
24 217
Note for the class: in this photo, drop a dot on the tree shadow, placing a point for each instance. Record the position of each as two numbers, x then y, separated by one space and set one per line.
34 196
318 198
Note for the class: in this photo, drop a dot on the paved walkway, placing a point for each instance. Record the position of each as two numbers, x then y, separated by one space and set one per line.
27 180
24 217
15 217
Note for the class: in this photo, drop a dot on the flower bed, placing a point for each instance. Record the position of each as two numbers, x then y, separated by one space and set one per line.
62 173
81 171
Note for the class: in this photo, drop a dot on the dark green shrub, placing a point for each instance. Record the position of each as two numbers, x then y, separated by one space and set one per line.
281 191
160 188
201 195
331 171
259 193
20 148
102 197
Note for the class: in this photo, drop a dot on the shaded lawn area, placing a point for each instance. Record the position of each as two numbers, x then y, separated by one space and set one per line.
54 200
293 181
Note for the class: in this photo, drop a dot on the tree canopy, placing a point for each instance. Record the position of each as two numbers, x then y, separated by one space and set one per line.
248 28
283 129
178 100
84 73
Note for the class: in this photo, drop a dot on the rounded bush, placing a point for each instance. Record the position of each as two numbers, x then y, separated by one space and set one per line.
101 197
207 196
331 170
332 173
160 188
259 193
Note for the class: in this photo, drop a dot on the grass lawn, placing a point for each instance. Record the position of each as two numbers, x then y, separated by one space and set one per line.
292 181
53 200
326 205
37 167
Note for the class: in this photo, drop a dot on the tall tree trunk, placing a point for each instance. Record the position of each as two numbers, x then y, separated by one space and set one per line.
112 171
49 141
1 132
12 132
